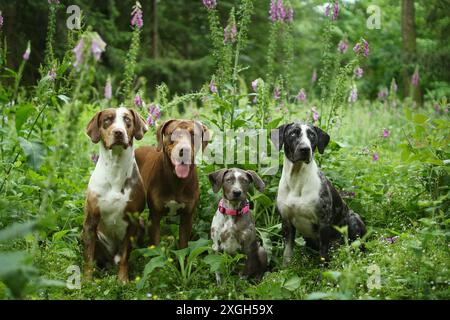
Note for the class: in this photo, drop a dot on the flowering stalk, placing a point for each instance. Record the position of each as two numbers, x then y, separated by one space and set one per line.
51 28
130 62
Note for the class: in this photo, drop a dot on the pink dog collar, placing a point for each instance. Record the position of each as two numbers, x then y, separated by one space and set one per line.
231 212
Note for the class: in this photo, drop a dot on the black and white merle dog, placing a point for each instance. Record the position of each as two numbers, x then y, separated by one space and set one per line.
307 201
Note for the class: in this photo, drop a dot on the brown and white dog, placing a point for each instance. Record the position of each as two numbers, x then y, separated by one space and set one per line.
115 190
170 176
233 229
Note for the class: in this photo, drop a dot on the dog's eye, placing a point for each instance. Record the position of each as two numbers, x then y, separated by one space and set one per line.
311 134
127 121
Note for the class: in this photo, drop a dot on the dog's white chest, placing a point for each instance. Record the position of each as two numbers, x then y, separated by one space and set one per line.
224 234
112 199
298 197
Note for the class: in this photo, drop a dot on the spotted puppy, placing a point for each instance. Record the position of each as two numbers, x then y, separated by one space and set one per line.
233 228
307 201
115 190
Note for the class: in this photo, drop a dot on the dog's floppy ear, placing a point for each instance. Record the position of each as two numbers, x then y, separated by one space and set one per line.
160 133
205 134
216 179
140 127
92 129
322 139
259 184
277 139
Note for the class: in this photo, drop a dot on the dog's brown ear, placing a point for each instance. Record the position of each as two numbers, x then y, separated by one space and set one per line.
140 127
93 128
205 134
322 139
216 179
259 184
277 136
160 133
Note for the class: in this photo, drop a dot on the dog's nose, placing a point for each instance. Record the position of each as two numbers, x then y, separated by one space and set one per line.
184 152
237 193
304 151
118 134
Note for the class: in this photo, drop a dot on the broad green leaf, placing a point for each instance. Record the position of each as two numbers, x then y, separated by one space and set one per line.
34 151
292 284
214 261
156 262
420 118
22 114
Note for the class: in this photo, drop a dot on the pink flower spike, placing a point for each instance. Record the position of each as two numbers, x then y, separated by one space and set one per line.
301 95
255 85
136 16
386 133
210 4
358 72
213 87
276 93
343 46
108 89
78 50
356 48
52 74
415 78
335 10
1 20
375 156
315 114
326 13
26 55
138 101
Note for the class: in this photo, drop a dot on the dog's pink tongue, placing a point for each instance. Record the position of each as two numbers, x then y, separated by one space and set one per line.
182 170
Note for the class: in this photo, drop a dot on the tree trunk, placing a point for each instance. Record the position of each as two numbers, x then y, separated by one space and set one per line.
409 49
155 53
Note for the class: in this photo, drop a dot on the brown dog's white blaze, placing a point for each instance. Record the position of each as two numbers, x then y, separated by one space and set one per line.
180 140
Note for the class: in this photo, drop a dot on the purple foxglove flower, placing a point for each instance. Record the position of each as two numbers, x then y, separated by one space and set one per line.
138 101
154 111
79 53
390 240
255 100
97 46
315 114
366 48
276 93
281 10
386 133
210 4
375 156
136 16
415 78
343 46
301 95
255 85
1 20
230 35
326 13
51 74
356 48
273 11
108 89
353 95
213 87
358 72
382 94
290 15
27 52
94 158
335 10
150 120
314 76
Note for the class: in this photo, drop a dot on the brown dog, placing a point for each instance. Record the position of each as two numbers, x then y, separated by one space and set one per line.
170 176
115 190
